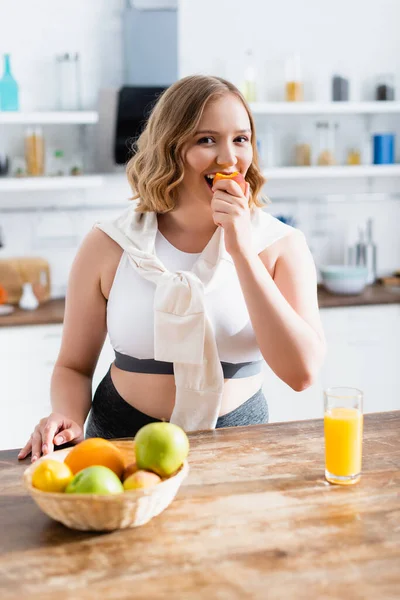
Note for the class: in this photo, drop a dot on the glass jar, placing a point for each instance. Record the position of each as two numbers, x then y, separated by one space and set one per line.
34 152
68 82
294 80
354 156
325 143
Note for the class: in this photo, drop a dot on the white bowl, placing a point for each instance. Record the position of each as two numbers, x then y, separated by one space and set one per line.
344 279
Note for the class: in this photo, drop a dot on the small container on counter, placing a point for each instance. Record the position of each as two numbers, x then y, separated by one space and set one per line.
28 299
294 80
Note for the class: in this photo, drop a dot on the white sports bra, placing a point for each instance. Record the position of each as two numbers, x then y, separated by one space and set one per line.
130 309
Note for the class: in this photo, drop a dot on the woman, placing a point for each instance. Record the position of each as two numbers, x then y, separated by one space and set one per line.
256 283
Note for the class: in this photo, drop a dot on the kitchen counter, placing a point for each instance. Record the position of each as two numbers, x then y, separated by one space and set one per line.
53 311
254 519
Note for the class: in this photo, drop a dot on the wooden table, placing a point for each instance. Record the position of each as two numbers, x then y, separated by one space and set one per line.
254 519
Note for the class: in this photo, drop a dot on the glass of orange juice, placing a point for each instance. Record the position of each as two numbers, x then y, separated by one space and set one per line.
343 429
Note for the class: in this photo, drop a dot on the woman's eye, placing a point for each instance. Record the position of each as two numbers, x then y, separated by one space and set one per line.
205 140
242 138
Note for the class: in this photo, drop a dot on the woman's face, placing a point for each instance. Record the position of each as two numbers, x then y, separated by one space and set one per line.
221 144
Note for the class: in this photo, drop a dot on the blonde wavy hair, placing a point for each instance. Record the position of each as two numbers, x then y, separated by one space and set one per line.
156 170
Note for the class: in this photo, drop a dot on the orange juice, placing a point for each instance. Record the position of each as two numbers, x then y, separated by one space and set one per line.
343 443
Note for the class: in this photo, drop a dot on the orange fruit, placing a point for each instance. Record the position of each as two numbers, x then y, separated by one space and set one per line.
3 295
236 176
95 452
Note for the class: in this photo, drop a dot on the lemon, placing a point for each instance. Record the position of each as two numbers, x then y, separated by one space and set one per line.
51 476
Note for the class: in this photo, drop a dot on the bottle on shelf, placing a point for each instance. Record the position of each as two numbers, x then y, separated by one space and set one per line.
249 87
34 152
293 76
370 254
68 81
9 96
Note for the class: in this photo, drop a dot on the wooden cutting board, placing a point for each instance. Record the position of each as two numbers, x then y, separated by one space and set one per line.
14 272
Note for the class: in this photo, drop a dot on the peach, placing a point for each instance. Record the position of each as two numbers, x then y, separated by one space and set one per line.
236 176
129 470
140 480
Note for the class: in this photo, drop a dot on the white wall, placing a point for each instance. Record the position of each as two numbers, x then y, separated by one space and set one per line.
360 39
212 39
358 36
34 32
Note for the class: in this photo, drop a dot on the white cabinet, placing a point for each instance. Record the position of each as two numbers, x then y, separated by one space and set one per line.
27 358
363 351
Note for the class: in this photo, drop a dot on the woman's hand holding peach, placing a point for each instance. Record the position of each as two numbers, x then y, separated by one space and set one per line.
230 207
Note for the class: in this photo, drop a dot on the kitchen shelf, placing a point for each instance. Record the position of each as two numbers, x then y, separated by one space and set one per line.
324 108
49 118
21 184
334 172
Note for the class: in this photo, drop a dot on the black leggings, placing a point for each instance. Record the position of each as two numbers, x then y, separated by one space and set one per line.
112 417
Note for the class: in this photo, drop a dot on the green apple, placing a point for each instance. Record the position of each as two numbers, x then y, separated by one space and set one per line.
161 448
95 480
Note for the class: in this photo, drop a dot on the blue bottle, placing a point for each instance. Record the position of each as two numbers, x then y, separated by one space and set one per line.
8 88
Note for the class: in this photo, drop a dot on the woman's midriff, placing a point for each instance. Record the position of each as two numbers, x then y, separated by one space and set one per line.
154 395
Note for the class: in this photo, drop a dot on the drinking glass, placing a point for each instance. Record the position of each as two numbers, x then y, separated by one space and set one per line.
343 429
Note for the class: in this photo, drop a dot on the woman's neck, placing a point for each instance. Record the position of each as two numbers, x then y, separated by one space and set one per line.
188 228
188 220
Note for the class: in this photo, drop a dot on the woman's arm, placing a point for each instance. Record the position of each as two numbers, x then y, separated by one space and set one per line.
84 331
284 309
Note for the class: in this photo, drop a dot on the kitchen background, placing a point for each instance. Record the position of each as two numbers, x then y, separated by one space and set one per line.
261 46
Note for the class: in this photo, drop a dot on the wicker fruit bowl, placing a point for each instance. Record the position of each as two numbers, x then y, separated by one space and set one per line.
105 512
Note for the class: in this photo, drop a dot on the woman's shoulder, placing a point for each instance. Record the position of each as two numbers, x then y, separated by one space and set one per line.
98 257
268 230
276 239
98 245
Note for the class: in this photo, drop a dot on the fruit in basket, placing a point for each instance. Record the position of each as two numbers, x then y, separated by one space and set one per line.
95 452
129 470
51 476
95 480
236 176
141 480
161 448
